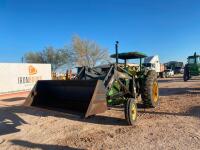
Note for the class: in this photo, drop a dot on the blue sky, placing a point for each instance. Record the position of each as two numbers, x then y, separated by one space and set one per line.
169 28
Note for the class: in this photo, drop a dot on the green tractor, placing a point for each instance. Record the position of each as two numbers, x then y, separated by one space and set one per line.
126 83
94 89
192 68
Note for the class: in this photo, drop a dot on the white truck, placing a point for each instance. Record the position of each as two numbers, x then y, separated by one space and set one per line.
153 63
169 73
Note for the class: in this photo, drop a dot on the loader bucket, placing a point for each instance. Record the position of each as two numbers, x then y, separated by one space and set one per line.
83 96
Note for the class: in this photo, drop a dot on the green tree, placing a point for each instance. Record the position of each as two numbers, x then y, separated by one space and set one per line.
88 53
55 57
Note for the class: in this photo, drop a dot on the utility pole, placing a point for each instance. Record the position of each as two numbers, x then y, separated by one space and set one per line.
22 59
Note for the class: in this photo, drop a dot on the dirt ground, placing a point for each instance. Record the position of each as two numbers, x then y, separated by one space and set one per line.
175 124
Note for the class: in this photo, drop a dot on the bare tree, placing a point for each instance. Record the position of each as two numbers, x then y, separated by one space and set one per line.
88 53
56 57
82 53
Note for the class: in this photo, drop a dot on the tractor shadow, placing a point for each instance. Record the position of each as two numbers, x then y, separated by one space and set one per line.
13 99
177 79
168 80
9 121
31 145
193 111
179 91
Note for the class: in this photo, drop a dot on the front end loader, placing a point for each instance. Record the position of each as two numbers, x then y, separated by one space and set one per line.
94 89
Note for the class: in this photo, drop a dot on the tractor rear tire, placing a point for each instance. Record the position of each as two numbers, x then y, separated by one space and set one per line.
150 90
130 111
186 75
185 78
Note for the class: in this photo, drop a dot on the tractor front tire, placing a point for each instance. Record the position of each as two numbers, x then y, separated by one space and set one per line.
150 90
130 111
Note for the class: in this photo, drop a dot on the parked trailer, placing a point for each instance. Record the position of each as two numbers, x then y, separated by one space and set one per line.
19 77
153 63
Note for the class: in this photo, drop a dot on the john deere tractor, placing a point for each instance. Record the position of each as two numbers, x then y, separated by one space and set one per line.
96 88
126 83
192 68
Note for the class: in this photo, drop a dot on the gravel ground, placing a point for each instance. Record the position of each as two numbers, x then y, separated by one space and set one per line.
175 124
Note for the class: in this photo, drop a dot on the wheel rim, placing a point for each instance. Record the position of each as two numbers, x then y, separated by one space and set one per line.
134 111
155 91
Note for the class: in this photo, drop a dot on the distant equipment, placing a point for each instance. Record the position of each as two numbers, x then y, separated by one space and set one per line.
192 68
176 66
169 73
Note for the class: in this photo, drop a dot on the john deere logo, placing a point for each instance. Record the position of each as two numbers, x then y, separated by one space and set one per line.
32 70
